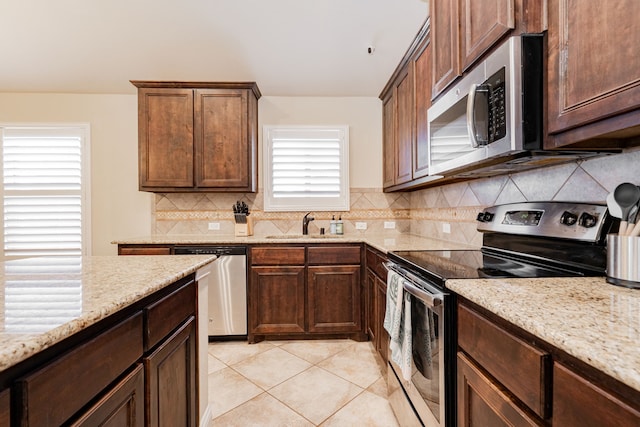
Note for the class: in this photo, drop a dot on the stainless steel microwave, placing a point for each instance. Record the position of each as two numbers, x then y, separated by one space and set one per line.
494 110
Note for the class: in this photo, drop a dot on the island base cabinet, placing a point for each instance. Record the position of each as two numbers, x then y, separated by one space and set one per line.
123 406
482 402
170 370
5 408
578 402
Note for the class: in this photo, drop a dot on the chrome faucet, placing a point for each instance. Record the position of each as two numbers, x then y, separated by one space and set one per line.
305 223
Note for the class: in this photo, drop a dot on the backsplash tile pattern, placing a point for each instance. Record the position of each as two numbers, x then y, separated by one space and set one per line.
423 212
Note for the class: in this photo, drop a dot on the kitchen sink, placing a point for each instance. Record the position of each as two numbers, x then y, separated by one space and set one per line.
302 236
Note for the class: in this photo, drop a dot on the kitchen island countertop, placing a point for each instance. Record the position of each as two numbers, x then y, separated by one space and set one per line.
588 318
45 300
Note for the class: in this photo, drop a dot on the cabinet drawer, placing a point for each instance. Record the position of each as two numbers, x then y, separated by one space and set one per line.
144 250
51 395
334 255
375 264
520 367
277 255
165 315
578 402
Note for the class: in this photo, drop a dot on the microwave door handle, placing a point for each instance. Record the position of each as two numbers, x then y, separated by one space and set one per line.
471 119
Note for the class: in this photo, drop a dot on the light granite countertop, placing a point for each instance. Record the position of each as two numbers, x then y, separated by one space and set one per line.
590 319
45 300
384 242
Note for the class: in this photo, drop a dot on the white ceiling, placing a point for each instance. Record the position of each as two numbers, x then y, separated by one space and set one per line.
289 47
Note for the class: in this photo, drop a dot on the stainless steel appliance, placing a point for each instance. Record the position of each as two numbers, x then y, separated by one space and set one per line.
550 239
490 122
227 288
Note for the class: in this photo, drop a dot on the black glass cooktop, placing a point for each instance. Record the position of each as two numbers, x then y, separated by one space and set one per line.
473 264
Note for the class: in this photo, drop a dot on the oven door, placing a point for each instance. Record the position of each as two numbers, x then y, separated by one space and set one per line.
426 388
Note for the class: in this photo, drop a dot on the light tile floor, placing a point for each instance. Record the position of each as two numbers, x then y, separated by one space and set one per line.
298 383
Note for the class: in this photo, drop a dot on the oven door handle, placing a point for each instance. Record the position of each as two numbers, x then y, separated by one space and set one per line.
431 300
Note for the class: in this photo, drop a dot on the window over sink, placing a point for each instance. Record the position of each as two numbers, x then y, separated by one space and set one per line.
306 168
45 190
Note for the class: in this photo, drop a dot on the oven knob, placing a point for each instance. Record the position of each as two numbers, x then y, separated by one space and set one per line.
568 218
587 220
480 217
488 217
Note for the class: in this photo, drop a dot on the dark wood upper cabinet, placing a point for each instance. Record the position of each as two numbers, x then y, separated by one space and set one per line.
445 33
593 90
197 136
422 102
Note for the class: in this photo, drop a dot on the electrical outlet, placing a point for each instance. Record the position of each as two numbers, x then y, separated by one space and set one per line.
214 226
361 225
389 224
446 227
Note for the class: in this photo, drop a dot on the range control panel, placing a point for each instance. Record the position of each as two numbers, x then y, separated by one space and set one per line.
579 221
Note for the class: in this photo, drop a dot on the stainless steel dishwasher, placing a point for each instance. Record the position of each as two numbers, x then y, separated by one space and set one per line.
227 288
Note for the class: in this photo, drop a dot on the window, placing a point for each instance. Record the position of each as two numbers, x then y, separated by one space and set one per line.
306 168
45 190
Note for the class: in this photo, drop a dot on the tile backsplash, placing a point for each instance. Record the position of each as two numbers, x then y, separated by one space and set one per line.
424 212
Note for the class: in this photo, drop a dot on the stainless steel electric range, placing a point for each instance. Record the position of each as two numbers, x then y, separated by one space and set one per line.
526 240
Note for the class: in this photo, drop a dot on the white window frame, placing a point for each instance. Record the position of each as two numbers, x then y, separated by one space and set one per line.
340 202
85 131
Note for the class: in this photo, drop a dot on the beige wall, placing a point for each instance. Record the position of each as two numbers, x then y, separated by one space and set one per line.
119 210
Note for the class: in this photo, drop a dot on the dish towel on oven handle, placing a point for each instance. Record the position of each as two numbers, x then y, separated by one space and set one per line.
397 322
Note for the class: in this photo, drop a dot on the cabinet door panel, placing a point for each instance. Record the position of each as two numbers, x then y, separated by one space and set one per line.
578 402
481 402
277 300
122 406
444 39
389 141
334 299
404 130
165 146
593 62
482 25
5 408
165 315
422 96
171 382
221 146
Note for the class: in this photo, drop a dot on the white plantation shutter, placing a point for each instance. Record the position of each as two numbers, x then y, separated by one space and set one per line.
45 208
306 168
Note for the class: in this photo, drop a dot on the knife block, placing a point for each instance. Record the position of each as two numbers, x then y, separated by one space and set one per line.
244 229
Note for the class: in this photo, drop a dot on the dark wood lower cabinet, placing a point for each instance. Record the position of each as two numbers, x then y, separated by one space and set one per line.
5 407
171 387
483 402
333 298
581 403
122 406
381 307
277 299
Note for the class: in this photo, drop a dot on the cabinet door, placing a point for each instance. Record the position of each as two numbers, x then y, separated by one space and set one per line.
445 45
422 96
382 344
389 140
333 298
481 402
578 402
276 300
404 135
122 406
370 306
171 383
165 132
482 25
5 408
223 149
592 67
